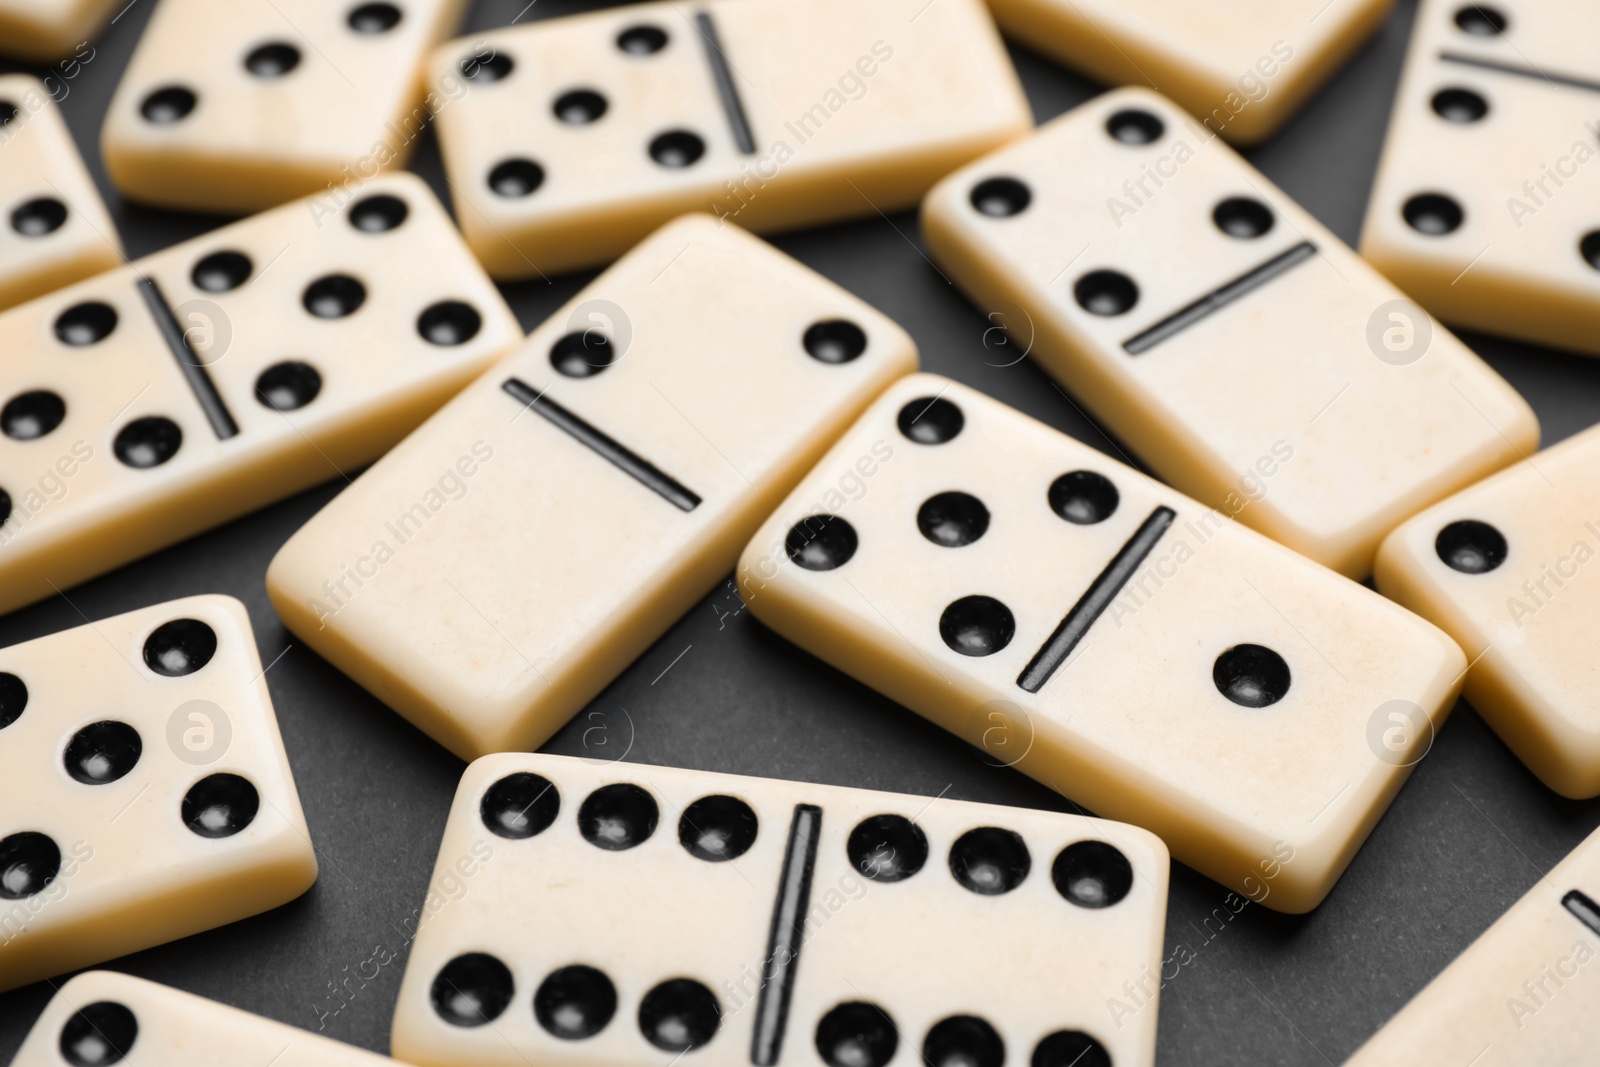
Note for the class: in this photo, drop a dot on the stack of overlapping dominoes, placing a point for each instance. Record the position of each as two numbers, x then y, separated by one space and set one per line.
1199 659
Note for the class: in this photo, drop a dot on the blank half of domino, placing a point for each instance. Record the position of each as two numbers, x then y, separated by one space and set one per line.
1128 647
573 138
1249 357
157 400
500 566
1504 568
623 914
102 1017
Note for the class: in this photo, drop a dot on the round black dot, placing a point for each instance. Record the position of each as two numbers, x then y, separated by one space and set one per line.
1589 248
220 805
617 817
334 296
582 354
678 1015
487 68
977 626
575 1002
147 442
520 805
718 828
1480 20
1135 126
1471 547
221 271
272 60
1242 216
642 40
378 214
930 420
1092 874
288 386
449 322
168 105
676 149
1070 1048
29 861
579 107
516 177
887 848
952 519
39 216
180 647
13 698
821 542
85 324
1459 105
1000 197
5 506
1106 292
1083 497
32 415
1253 676
990 861
857 1034
372 19
963 1041
98 1034
102 752
834 341
472 989
8 111
1433 214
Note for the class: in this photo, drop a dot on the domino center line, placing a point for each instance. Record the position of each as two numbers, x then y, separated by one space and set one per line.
1101 592
1521 71
732 106
1587 911
194 371
598 441
1219 298
787 937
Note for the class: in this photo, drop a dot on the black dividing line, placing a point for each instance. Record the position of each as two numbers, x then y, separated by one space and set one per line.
731 104
788 927
189 362
1054 652
1587 911
630 463
1217 299
1521 71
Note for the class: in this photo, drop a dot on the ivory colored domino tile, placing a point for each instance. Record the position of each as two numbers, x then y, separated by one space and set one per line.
103 1017
241 106
43 30
146 794
168 396
1503 567
568 140
641 434
55 227
1242 351
1484 204
1124 645
1506 1001
608 914
1241 66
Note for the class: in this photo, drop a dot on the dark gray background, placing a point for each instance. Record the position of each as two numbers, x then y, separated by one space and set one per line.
1469 834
